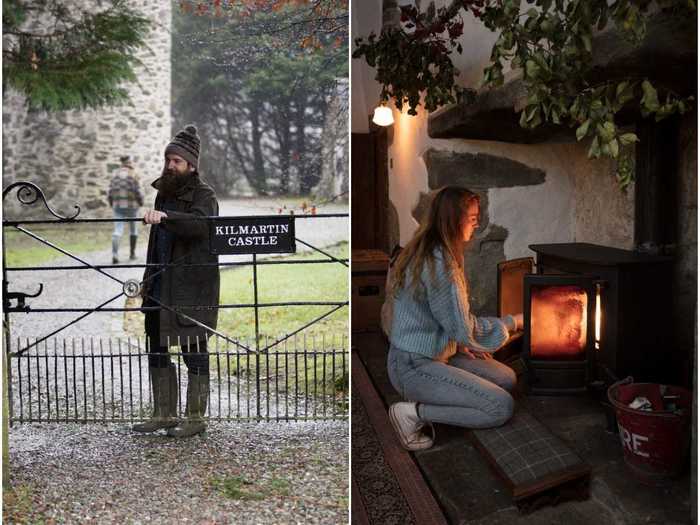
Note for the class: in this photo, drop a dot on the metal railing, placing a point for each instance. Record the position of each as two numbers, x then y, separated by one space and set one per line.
106 379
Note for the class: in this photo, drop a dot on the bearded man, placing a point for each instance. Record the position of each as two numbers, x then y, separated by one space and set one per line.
187 294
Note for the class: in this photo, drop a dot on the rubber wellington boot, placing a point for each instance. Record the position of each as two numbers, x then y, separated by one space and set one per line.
164 384
132 252
197 394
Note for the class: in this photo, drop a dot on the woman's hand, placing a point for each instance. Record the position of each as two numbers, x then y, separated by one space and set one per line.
463 350
519 321
470 354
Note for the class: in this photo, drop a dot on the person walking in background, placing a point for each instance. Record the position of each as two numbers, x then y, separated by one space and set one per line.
125 197
189 284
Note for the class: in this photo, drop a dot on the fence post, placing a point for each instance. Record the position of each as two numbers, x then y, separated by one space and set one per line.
257 335
5 376
5 421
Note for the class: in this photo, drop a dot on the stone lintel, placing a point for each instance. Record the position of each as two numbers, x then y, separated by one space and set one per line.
478 171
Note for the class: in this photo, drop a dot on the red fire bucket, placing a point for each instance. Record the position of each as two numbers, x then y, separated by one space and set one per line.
655 443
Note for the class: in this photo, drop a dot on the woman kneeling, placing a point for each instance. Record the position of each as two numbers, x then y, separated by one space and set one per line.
440 356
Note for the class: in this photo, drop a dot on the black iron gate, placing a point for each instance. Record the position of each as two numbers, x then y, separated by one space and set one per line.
103 379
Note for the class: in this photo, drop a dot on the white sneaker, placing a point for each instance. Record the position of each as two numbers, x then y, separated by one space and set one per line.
407 424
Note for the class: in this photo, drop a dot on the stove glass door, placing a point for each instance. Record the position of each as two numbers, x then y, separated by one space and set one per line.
559 317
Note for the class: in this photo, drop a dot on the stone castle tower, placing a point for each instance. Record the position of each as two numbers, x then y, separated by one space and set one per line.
71 155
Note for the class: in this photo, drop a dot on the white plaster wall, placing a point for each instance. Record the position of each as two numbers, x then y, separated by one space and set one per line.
531 214
477 42
579 201
408 176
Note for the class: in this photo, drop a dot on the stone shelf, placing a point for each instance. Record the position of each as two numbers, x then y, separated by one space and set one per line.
667 57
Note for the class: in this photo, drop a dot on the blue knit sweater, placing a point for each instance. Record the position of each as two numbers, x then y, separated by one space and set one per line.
424 323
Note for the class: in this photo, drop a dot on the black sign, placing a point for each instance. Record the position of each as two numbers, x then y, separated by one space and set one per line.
252 235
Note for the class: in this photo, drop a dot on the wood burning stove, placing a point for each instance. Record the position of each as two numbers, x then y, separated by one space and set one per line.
592 314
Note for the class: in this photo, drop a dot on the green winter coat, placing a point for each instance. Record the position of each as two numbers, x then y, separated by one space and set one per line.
196 286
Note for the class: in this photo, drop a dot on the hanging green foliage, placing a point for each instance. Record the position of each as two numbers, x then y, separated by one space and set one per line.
551 43
75 59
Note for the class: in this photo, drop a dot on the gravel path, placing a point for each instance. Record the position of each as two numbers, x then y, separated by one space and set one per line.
235 473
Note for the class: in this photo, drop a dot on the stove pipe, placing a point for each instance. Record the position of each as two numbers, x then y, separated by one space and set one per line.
656 185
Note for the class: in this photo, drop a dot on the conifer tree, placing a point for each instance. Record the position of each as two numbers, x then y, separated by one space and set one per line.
65 55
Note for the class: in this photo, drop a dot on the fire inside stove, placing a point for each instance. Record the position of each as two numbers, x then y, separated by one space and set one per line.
558 322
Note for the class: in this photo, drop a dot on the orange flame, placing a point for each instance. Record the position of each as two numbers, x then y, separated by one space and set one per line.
558 322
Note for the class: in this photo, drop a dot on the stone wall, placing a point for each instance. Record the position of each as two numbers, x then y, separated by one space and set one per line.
335 174
604 213
685 278
686 275
72 154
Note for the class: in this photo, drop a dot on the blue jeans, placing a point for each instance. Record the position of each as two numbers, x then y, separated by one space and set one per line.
465 392
122 213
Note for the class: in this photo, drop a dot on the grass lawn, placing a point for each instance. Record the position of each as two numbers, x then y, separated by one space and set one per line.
239 488
287 283
22 250
284 283
298 204
18 505
276 283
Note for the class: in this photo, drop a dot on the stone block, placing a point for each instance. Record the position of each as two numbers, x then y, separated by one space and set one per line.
478 171
93 204
481 257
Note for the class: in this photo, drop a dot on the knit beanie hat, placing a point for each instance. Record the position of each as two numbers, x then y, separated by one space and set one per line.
186 144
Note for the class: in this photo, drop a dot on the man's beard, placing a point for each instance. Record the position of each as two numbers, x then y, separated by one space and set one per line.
172 181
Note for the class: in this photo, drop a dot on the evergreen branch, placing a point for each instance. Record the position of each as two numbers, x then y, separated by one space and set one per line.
80 65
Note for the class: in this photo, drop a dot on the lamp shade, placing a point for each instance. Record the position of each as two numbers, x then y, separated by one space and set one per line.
383 116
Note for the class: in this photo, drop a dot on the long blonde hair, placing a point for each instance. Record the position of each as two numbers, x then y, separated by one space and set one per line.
441 228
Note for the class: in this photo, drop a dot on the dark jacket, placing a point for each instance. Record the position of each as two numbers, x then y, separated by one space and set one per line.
125 190
186 286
